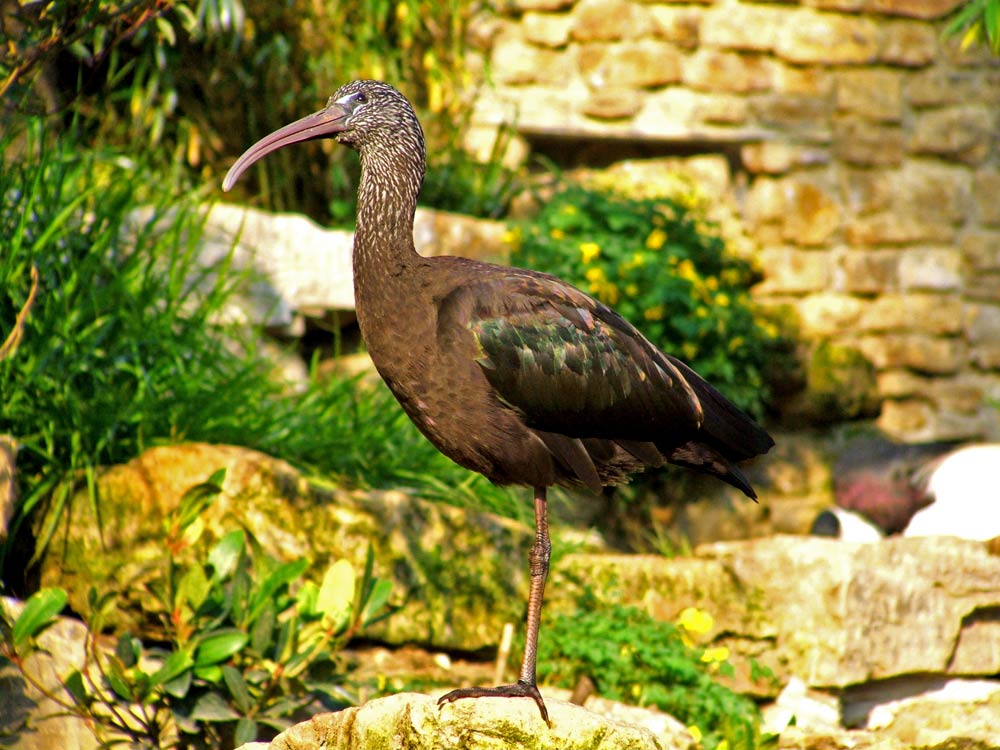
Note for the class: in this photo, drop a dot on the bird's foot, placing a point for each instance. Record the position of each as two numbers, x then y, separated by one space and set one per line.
518 690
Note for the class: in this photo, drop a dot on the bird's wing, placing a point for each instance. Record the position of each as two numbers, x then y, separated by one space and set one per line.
567 363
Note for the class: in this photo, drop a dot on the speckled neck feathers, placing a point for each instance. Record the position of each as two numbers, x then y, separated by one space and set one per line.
392 171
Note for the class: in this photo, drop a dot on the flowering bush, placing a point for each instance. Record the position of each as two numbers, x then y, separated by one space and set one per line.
663 267
634 658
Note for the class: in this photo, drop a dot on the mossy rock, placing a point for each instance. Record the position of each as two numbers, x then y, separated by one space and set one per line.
839 384
459 575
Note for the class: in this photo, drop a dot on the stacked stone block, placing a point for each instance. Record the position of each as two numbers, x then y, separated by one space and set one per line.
867 171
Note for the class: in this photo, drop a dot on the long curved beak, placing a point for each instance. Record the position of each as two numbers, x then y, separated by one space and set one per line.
320 124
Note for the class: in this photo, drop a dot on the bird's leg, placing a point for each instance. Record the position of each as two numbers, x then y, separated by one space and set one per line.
525 687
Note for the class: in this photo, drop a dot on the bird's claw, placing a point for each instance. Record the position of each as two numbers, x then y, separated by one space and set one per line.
517 690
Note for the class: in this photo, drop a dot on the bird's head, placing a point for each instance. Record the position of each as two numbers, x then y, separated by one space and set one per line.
362 114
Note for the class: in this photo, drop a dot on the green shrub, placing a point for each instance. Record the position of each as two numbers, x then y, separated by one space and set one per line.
635 659
661 266
246 649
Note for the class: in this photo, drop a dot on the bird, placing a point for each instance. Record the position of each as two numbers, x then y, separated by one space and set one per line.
510 373
923 489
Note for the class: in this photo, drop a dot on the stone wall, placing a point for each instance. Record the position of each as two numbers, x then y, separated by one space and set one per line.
861 153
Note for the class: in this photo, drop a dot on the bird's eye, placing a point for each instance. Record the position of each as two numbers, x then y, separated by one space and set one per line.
361 97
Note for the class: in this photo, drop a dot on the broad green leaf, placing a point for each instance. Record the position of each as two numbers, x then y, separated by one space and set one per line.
336 594
237 688
119 681
180 685
225 554
75 687
38 613
128 649
220 646
173 667
246 731
267 592
305 598
193 588
196 500
211 707
262 632
211 673
376 602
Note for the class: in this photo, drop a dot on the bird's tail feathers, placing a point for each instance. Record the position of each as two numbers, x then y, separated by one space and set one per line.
725 424
700 457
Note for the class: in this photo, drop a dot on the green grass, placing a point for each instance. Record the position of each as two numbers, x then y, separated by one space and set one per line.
124 346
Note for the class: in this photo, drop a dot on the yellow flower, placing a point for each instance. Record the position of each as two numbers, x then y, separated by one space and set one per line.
656 239
589 251
595 275
557 234
654 313
701 312
735 343
690 350
715 654
696 621
722 299
638 260
512 236
569 209
695 733
712 283
632 290
686 270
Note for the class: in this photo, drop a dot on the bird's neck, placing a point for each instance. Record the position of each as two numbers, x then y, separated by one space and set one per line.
387 198
383 240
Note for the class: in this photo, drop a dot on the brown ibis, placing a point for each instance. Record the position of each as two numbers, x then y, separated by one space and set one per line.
508 372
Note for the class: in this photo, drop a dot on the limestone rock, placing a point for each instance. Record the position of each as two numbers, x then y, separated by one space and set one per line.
606 20
710 69
742 26
461 575
913 8
416 722
306 266
28 719
547 29
639 64
963 133
908 44
833 613
874 94
840 384
934 313
827 38
859 141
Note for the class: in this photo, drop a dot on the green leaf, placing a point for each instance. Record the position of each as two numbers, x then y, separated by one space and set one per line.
128 649
211 673
220 646
377 601
173 667
225 554
305 599
193 588
75 687
238 689
212 707
196 500
336 594
38 613
119 681
246 731
180 685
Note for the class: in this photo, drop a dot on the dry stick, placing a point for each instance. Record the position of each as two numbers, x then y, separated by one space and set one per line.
14 338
